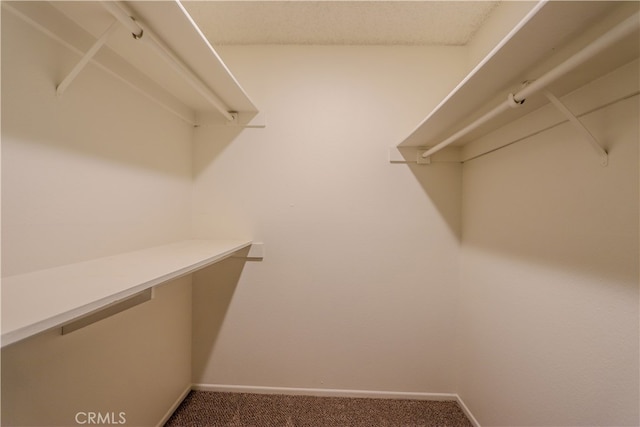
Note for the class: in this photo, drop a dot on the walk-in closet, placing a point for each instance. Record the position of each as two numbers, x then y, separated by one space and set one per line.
409 200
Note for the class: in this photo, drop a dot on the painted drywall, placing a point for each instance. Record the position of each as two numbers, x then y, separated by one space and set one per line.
359 286
359 283
97 171
549 275
100 170
132 367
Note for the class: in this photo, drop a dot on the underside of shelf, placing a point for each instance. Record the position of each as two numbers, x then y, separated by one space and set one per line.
78 24
42 300
550 34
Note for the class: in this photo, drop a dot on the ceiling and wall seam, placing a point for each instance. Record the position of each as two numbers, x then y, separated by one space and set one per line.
441 23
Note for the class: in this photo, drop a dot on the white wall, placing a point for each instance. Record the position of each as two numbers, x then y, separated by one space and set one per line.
98 171
361 286
137 362
359 283
549 274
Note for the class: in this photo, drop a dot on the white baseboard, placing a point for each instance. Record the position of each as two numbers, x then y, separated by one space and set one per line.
325 392
173 407
467 412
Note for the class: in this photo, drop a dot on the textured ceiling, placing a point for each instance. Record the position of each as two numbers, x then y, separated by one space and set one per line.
340 22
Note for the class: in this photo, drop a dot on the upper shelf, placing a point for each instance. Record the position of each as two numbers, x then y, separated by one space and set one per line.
42 300
548 35
80 24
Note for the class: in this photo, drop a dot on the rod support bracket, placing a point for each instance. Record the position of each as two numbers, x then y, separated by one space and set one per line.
234 118
421 159
88 56
575 121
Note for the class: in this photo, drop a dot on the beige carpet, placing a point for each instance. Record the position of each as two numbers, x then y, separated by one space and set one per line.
201 409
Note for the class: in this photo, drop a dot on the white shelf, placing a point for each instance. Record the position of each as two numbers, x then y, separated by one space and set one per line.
45 299
545 38
79 24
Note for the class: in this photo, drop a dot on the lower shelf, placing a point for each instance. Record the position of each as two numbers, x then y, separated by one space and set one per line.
46 299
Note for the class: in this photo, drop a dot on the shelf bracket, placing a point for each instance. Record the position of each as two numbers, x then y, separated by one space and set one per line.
86 58
604 157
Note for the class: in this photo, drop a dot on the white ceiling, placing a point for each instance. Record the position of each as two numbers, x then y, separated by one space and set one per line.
339 22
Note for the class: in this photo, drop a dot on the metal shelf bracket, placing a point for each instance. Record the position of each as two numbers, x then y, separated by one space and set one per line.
86 58
604 157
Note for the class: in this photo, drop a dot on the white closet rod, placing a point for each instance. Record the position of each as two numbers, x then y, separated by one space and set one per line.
608 39
144 34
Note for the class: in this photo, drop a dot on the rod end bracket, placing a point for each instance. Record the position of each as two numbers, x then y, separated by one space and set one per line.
233 121
420 159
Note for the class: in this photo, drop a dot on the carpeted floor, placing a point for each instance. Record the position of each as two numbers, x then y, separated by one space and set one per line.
201 408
